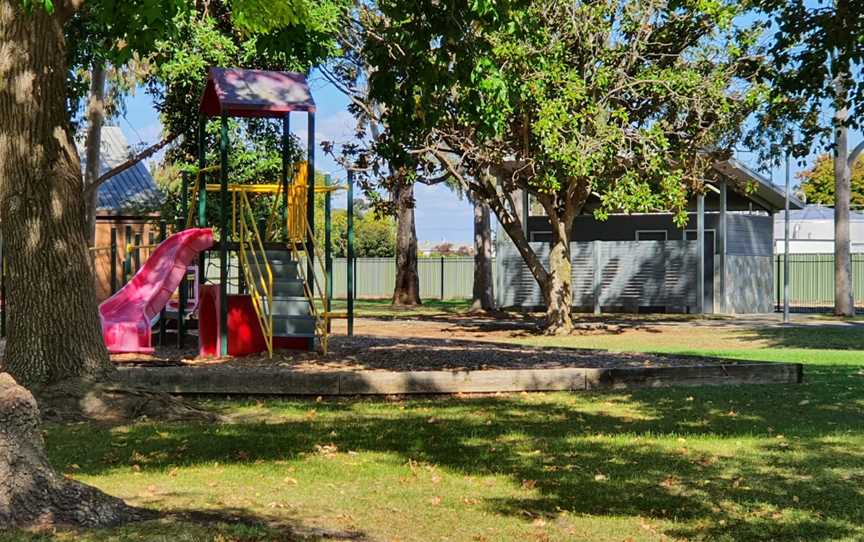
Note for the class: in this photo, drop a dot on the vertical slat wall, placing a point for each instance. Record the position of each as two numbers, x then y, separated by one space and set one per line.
633 274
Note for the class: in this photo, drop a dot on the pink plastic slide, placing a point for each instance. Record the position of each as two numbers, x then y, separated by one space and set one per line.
127 315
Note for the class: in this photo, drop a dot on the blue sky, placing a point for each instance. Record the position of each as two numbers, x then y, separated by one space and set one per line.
440 214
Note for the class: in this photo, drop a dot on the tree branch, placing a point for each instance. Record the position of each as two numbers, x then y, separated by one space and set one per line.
143 155
856 152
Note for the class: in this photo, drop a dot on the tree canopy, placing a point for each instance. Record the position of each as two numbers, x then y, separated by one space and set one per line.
817 182
626 102
213 37
816 55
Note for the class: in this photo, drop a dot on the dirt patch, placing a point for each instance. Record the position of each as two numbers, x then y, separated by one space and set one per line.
451 343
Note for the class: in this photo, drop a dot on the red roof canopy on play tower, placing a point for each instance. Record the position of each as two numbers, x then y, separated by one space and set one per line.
255 93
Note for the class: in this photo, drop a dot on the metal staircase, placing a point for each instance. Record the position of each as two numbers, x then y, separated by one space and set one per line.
289 306
287 303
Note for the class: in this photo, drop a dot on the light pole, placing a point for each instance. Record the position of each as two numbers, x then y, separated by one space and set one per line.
786 243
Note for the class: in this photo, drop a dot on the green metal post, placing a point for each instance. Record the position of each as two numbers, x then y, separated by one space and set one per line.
442 278
181 311
286 138
202 190
113 260
202 182
350 255
163 233
328 253
224 235
310 206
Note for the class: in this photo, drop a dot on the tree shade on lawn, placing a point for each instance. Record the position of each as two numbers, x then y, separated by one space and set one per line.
743 464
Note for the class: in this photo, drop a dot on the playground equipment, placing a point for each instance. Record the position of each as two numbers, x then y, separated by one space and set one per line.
278 302
128 315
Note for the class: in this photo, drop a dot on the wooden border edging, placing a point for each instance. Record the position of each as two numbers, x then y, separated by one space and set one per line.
283 381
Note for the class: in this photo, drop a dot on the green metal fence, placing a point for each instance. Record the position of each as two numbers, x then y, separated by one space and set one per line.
440 278
811 281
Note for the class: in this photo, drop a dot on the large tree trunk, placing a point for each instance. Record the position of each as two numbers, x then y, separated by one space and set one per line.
483 293
93 144
555 282
558 287
54 330
31 492
407 289
844 304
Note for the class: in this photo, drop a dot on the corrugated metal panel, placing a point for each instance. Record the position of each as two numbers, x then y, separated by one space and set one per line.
811 281
749 280
375 278
132 190
749 235
582 260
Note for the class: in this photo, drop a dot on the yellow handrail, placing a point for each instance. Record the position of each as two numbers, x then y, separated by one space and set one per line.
298 194
258 273
261 290
321 322
271 220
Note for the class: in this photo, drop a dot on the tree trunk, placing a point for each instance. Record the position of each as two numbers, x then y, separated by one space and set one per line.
844 304
558 287
31 492
54 330
407 289
483 293
93 144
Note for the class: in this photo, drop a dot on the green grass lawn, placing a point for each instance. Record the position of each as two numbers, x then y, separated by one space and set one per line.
383 308
722 463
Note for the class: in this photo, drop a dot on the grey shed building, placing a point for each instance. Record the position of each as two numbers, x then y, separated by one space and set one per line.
645 263
127 203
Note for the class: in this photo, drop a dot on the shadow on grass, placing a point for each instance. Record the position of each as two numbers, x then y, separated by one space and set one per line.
225 524
671 454
821 336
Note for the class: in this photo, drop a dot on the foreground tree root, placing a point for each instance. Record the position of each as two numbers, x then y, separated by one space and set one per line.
32 493
105 403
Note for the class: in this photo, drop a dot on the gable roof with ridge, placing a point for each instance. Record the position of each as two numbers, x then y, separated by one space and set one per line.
238 92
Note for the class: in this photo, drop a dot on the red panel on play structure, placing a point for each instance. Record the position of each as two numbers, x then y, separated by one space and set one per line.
244 332
208 320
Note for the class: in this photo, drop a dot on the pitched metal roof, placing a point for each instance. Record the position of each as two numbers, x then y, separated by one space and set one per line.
767 194
255 93
130 191
818 213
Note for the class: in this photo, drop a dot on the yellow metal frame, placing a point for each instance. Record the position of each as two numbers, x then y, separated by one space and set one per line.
259 273
261 280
